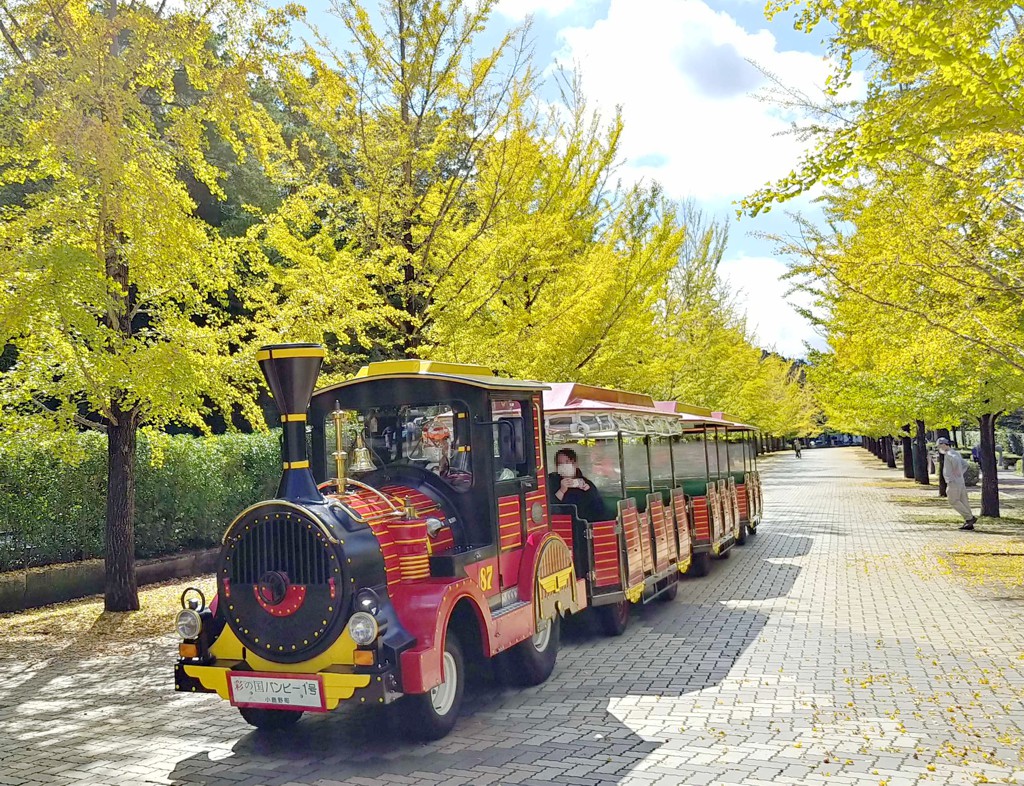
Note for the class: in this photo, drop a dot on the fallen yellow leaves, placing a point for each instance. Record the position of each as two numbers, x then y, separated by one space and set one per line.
85 623
1000 565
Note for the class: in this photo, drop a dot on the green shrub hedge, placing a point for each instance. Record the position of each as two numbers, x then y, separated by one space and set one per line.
188 490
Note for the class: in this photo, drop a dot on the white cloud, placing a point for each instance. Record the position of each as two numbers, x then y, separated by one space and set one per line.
758 284
518 9
679 70
682 74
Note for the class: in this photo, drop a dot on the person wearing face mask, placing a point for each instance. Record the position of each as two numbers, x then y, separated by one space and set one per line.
568 486
953 467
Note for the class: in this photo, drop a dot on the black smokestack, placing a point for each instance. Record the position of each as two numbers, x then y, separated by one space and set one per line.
291 371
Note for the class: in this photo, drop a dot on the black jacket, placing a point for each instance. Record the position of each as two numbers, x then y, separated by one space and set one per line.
589 504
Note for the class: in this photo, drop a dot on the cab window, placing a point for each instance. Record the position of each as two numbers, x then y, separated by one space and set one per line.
509 440
434 436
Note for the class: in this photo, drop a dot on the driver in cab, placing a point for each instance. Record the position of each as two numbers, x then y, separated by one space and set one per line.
571 487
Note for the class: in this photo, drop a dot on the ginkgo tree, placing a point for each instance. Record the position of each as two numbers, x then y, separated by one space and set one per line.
921 188
114 291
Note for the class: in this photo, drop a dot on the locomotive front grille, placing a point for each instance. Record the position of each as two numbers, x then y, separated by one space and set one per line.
279 545
282 583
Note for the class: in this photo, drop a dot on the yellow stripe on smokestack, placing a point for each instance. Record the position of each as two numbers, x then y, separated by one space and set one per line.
291 371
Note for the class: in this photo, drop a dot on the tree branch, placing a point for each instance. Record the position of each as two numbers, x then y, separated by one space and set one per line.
83 422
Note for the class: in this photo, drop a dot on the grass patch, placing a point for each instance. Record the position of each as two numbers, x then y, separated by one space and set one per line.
85 623
925 502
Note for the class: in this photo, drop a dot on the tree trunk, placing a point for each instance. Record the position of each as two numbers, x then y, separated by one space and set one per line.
920 455
908 453
890 454
989 476
120 588
121 591
941 432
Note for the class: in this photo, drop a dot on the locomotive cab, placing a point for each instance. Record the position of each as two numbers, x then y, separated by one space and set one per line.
451 436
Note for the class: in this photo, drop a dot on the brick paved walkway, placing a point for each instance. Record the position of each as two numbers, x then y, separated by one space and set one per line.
833 647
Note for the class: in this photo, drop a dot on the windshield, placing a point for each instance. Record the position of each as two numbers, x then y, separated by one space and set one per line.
434 437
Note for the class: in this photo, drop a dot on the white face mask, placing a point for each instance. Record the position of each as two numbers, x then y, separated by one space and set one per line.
943 449
567 470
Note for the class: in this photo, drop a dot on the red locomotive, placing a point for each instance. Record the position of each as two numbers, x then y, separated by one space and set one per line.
372 580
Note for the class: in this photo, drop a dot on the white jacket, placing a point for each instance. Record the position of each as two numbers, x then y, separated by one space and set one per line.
953 466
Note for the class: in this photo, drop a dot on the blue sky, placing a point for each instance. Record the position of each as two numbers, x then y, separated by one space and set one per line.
680 71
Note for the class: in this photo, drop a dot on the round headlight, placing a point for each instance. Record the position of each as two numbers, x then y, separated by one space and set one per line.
188 623
363 628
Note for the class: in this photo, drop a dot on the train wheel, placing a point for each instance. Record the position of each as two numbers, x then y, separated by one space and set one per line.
614 617
670 593
743 533
270 720
700 565
431 715
533 660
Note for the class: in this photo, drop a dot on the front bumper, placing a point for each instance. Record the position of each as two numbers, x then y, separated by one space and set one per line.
341 683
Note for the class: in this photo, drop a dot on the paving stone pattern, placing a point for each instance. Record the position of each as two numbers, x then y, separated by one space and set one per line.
833 648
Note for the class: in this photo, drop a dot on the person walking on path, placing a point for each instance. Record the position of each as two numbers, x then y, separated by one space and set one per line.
796 447
956 489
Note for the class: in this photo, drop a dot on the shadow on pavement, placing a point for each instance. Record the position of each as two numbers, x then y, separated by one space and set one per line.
77 716
669 650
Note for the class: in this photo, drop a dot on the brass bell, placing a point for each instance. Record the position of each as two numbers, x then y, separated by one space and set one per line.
361 457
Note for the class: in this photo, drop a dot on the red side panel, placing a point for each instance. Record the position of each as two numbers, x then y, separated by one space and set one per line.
561 524
485 574
510 522
606 555
634 551
715 513
508 567
392 563
741 497
701 524
656 512
645 544
670 532
682 523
